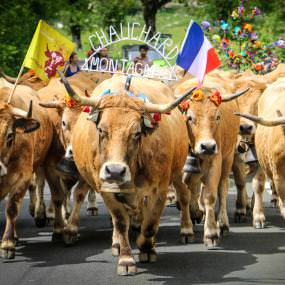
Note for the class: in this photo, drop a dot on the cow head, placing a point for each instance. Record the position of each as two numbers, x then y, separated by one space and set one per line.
69 115
121 122
249 103
12 121
202 114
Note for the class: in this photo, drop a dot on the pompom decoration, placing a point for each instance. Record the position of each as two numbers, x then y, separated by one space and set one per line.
184 106
216 38
156 117
255 12
216 98
197 95
86 109
205 25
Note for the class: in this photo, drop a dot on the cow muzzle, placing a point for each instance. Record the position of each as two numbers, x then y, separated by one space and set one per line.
3 169
115 172
69 152
208 147
246 129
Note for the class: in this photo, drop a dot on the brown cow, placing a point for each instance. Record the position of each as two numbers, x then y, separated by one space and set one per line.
64 118
22 152
269 141
131 160
213 131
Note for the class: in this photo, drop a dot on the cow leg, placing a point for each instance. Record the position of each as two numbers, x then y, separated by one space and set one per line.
184 196
223 215
66 209
92 210
207 201
258 184
274 195
12 211
223 194
40 208
153 207
33 197
57 196
50 212
72 227
240 181
279 187
121 222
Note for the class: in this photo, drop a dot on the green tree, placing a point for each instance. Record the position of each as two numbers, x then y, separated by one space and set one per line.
150 9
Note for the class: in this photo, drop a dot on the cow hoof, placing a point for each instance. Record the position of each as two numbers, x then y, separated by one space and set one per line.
92 211
187 238
56 237
274 202
70 238
240 217
148 257
8 253
259 225
115 249
224 230
40 222
126 266
211 242
49 221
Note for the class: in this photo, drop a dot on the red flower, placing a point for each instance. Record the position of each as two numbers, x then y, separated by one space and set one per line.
184 105
216 98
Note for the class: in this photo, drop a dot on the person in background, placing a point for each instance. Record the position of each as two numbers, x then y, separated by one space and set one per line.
103 54
72 65
143 58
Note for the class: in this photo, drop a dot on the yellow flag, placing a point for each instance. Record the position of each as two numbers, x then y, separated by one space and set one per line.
48 51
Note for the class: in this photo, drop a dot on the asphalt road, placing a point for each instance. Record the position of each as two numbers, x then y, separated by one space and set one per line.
247 256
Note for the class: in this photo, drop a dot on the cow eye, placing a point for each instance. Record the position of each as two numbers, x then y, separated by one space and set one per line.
10 139
102 133
191 117
137 135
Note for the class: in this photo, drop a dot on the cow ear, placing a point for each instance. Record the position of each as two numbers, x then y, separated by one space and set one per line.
147 125
23 125
94 116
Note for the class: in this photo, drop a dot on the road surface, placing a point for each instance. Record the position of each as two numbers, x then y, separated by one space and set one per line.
247 256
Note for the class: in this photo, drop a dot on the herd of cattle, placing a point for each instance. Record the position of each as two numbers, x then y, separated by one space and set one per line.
129 140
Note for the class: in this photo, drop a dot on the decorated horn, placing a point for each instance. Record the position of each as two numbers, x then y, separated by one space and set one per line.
54 104
227 98
165 108
85 101
21 113
262 121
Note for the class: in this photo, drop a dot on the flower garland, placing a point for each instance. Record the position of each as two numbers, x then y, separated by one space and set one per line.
197 96
236 37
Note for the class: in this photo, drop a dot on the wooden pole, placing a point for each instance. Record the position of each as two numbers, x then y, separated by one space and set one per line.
15 85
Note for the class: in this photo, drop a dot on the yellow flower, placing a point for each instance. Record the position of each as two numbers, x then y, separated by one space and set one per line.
197 95
69 102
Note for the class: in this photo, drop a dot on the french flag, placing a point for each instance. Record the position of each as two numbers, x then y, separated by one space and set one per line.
197 56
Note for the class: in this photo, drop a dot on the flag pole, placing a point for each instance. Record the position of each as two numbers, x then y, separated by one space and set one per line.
16 83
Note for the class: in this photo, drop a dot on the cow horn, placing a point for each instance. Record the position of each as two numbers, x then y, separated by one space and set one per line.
165 108
262 121
21 113
85 101
7 77
54 104
227 98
